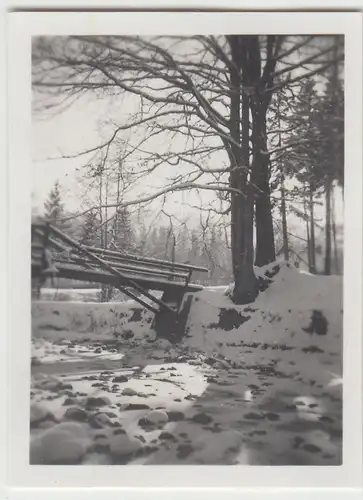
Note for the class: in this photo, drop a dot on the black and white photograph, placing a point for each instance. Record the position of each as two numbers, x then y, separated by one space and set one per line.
187 248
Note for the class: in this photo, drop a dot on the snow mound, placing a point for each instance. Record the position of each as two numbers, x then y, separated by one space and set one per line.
38 414
122 444
214 450
65 321
295 310
64 443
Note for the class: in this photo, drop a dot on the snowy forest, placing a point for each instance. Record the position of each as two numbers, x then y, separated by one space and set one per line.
267 110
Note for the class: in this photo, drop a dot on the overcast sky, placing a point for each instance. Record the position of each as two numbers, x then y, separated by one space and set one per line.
76 129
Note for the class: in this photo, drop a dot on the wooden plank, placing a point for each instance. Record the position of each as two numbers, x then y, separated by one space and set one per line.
161 263
118 264
93 275
132 269
140 301
69 267
40 227
112 270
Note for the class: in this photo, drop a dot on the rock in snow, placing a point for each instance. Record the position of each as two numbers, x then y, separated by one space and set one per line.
100 420
38 414
156 417
213 450
75 413
121 445
53 384
120 378
175 416
46 424
129 391
64 443
97 402
202 418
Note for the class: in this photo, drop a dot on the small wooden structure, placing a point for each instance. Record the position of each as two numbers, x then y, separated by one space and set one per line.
55 254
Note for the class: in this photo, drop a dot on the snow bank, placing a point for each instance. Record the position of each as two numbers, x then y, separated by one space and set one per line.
93 321
281 314
295 310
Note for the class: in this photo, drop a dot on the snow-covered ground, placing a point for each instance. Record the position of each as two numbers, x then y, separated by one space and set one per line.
258 384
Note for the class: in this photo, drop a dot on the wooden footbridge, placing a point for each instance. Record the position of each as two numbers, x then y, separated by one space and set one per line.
55 254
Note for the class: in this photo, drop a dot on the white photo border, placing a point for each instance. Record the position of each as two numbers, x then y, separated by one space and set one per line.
21 27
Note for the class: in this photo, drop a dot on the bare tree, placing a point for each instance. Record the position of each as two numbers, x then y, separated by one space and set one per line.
206 91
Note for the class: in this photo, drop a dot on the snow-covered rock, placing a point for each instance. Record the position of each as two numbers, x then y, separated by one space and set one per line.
64 342
213 449
156 417
64 443
35 361
74 413
120 379
102 419
129 391
54 384
122 444
46 424
98 402
309 408
39 413
39 377
202 418
195 362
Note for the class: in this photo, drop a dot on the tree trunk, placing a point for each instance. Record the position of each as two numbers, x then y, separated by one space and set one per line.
265 242
327 226
328 181
307 233
101 211
116 218
285 238
246 286
106 214
312 231
173 239
237 231
336 258
262 83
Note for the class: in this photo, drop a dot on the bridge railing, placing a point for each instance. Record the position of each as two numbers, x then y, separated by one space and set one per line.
73 260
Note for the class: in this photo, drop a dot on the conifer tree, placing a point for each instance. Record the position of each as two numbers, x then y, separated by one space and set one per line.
54 208
89 230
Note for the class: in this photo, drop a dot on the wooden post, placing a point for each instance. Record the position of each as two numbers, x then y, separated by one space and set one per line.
187 281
